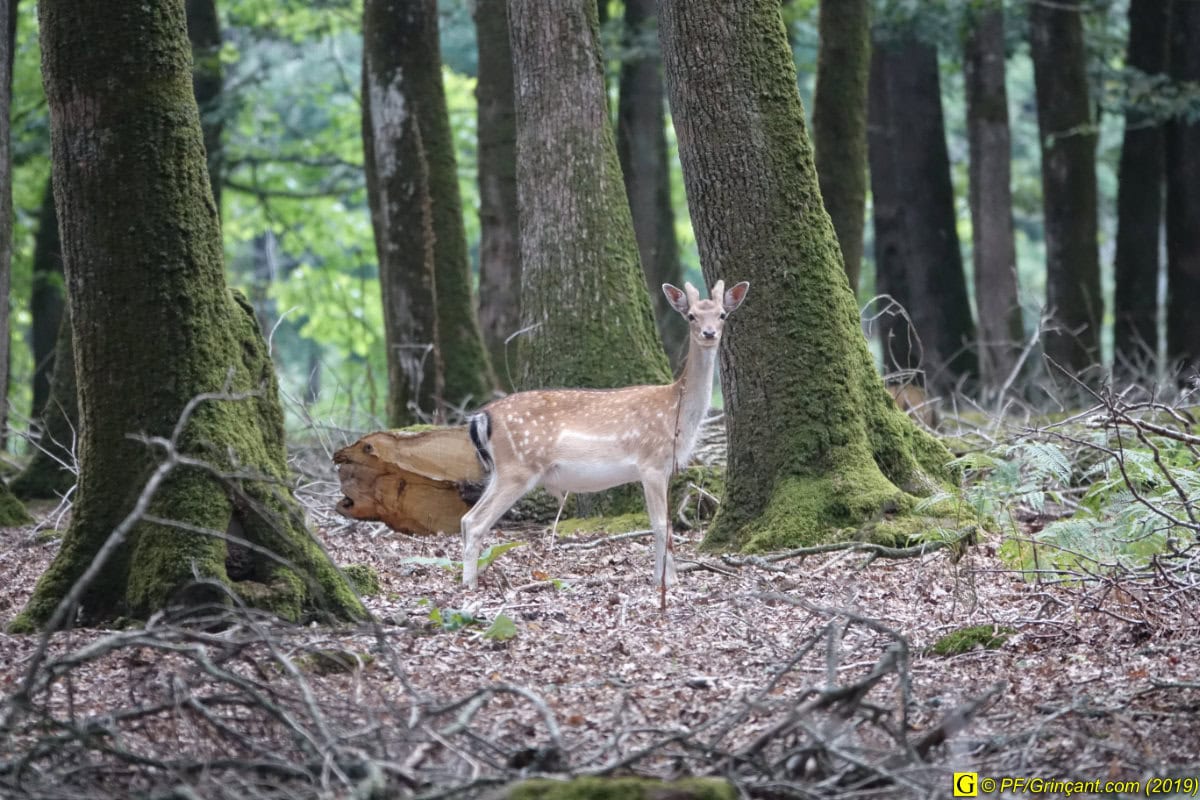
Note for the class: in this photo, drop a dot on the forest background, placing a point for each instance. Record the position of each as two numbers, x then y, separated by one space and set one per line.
297 228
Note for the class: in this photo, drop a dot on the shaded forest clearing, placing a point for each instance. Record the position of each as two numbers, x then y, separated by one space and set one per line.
792 677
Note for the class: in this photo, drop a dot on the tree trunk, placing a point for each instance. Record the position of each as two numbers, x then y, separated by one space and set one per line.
642 149
8 17
815 441
499 249
154 327
11 510
1140 201
46 302
1183 201
583 293
840 121
50 471
1068 138
994 252
204 33
917 258
435 351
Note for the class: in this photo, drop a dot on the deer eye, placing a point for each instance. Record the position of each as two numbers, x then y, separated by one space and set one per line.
691 317
723 315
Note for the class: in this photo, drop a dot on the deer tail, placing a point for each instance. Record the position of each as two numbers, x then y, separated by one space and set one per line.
479 426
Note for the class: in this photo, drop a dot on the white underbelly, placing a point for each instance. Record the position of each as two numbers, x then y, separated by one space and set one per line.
589 476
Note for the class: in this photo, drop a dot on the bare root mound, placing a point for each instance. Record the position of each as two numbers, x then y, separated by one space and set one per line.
791 678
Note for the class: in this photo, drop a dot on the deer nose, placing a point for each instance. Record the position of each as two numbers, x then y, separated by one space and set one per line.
710 334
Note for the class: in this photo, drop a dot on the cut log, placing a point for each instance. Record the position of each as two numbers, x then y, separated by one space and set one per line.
412 481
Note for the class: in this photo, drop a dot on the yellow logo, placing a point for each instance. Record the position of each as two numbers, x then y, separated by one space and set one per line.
966 784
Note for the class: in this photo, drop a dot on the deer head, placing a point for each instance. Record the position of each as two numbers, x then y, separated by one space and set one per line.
706 318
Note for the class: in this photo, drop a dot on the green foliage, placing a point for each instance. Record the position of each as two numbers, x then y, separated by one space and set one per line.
449 619
486 558
501 630
1128 512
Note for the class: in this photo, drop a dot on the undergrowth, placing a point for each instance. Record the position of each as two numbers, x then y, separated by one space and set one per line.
1108 491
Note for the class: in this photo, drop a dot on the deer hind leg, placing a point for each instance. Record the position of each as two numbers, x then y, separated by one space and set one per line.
496 499
655 487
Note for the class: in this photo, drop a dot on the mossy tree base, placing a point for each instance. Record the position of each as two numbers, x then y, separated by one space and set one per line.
242 493
816 444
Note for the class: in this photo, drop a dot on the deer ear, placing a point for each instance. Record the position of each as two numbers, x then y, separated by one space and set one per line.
676 298
734 297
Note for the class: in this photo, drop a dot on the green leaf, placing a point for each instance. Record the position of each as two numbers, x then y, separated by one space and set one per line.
430 561
501 630
495 551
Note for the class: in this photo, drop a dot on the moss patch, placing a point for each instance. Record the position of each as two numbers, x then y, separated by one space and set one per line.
621 523
964 640
623 789
333 661
364 579
12 512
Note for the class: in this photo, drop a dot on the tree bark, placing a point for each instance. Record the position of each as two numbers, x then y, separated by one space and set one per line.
1140 200
994 251
583 292
1068 140
917 257
815 441
1183 201
50 472
499 239
642 149
154 327
204 33
11 510
840 121
8 17
47 299
436 356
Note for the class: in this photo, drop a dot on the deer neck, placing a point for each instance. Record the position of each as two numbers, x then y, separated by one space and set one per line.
695 393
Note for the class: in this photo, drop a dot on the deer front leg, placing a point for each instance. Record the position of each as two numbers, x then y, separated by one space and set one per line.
497 498
655 487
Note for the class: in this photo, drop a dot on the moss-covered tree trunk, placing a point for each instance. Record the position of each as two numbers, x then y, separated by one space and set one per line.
47 299
642 149
583 294
917 258
1183 200
154 327
1068 136
1140 199
840 121
435 351
815 442
994 251
499 231
204 32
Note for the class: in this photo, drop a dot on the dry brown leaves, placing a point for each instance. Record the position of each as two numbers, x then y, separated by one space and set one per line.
1098 683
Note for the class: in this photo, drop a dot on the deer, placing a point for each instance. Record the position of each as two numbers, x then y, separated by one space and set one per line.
589 440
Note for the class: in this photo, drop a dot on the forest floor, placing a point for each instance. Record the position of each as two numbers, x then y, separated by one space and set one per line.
738 677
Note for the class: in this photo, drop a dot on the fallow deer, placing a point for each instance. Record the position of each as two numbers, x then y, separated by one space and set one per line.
579 440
